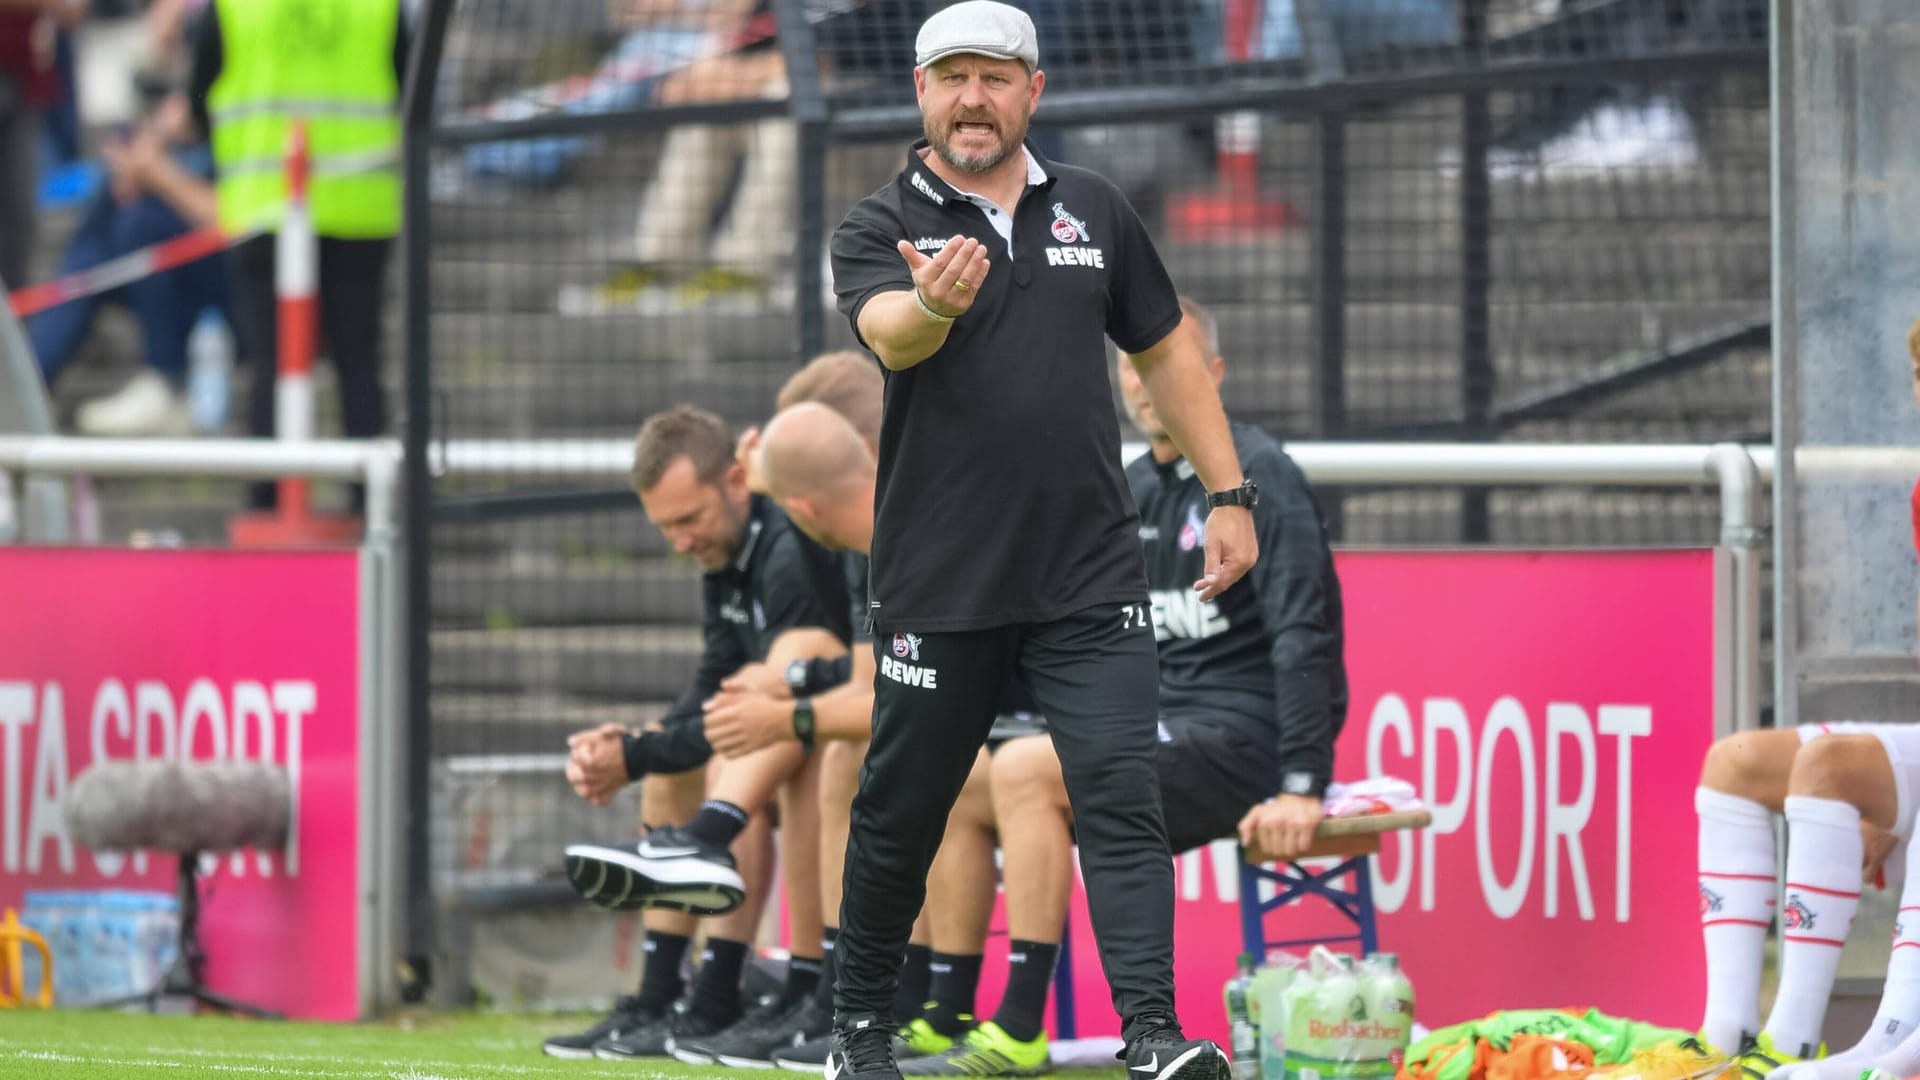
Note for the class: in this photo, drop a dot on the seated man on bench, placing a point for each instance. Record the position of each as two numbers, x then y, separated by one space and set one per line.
1253 693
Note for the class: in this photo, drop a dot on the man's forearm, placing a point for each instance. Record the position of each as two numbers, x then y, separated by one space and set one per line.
898 331
189 196
845 712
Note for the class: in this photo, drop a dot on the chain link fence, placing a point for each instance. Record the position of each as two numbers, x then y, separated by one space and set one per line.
1522 220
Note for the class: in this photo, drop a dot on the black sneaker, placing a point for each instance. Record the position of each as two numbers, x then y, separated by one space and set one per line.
862 1048
1167 1055
694 1049
808 1057
665 869
752 1047
908 1043
628 1015
657 1039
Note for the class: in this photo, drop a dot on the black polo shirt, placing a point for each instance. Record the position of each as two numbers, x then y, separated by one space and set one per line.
778 580
1266 656
1001 498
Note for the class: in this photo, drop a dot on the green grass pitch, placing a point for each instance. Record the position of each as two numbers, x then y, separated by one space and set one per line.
61 1045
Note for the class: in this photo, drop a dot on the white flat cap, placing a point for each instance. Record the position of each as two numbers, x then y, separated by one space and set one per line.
981 27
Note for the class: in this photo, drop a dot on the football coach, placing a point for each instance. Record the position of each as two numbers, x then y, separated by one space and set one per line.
984 277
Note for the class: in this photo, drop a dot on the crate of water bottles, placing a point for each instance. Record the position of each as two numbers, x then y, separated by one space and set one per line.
1326 1016
107 944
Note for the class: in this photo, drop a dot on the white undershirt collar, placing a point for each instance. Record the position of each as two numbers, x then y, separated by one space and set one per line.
997 215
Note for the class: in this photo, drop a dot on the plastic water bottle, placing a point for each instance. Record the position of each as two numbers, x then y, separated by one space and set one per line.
1245 1035
1392 994
209 372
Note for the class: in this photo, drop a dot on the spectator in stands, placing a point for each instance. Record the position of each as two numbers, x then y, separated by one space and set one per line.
1253 694
158 189
27 84
258 67
659 38
771 598
674 240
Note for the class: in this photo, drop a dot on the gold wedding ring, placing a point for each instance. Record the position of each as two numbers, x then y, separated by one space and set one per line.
961 285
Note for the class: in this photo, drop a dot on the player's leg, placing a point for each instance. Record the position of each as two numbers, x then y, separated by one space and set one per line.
934 702
838 780
790 1017
687 864
1850 769
1743 783
1027 805
960 895
1838 780
1212 769
1095 676
668 934
712 1000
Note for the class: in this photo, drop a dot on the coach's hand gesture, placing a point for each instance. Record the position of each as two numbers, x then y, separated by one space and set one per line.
949 281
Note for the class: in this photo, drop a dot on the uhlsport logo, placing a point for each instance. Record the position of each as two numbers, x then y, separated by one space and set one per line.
907 646
1710 901
1796 916
1066 228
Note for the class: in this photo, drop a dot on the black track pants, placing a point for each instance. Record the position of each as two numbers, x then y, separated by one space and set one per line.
1094 675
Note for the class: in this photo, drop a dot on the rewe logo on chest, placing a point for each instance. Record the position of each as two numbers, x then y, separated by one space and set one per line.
1077 256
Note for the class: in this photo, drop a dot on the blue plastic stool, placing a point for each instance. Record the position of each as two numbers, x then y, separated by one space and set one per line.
1354 841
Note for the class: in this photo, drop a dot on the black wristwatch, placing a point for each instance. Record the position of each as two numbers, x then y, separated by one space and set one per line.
796 676
1246 495
803 721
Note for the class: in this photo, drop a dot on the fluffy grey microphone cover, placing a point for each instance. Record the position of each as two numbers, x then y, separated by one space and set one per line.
180 806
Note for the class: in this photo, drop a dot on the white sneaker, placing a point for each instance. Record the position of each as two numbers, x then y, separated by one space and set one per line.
145 406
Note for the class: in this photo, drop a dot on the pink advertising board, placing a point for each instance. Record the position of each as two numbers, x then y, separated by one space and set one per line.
1553 709
205 655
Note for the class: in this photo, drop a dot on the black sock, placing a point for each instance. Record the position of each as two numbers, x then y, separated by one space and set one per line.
717 823
823 993
660 981
915 980
1029 976
803 977
716 986
956 979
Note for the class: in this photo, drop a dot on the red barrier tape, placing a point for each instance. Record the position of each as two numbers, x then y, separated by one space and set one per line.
124 270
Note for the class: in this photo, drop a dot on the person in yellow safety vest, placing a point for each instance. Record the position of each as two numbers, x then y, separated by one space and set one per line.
336 66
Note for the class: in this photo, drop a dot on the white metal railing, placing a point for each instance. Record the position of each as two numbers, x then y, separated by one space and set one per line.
376 462
1739 473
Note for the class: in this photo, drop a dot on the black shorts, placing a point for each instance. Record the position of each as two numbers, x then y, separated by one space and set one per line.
1211 773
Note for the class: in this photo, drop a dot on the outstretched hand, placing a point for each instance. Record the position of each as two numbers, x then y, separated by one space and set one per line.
948 281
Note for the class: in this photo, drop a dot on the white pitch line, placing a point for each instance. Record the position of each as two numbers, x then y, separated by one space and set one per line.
341 1062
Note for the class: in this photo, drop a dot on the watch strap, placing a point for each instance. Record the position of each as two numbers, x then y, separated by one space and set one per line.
803 721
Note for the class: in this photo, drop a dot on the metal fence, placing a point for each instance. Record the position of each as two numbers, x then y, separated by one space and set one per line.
1463 220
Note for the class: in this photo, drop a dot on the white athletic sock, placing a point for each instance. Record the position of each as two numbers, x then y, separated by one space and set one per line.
1897 1023
1736 908
1822 895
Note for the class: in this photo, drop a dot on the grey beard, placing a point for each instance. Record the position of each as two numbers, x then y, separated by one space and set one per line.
971 165
974 165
